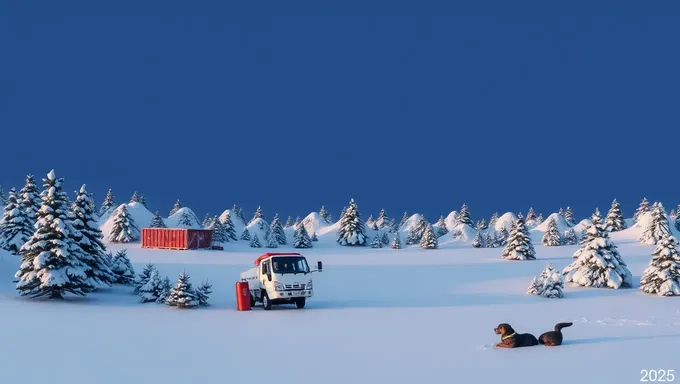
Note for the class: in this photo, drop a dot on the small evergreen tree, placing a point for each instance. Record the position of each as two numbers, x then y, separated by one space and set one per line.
377 241
489 239
29 201
255 242
549 284
277 231
142 201
502 238
109 202
122 268
165 290
662 276
219 233
257 215
519 246
534 287
185 221
396 242
429 240
182 295
324 214
152 289
570 237
301 238
246 234
207 221
478 241
178 205
203 293
289 222
404 219
598 264
134 198
642 209
393 227
531 215
314 237
412 238
658 228
493 220
551 238
464 216
15 226
157 221
385 240
441 227
143 277
352 231
229 229
124 228
271 242
369 221
420 227
569 217
539 219
241 216
50 260
297 222
614 221
382 220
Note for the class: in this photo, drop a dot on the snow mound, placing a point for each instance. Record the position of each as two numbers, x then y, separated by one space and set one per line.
260 227
467 233
138 212
238 224
451 220
562 224
582 226
409 224
173 220
505 221
315 223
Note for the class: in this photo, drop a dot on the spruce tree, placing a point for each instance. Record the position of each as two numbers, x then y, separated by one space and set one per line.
369 221
382 220
551 237
441 227
229 230
569 217
152 289
122 268
15 226
429 240
245 235
157 221
203 293
324 214
207 221
642 209
614 221
534 287
314 237
531 215
134 198
489 239
493 220
396 242
29 200
519 246
277 231
404 219
165 290
385 240
587 237
502 238
478 241
301 238
185 221
142 201
658 227
182 295
257 215
599 263
51 261
662 276
143 277
464 216
377 241
176 207
539 219
89 237
549 284
393 227
255 242
412 238
289 222
570 237
219 232
241 216
352 231
109 202
420 227
124 228
297 222
271 242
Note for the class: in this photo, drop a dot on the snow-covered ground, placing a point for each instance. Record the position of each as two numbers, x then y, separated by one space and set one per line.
378 316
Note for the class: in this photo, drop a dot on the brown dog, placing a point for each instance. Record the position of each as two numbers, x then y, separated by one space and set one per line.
553 338
512 339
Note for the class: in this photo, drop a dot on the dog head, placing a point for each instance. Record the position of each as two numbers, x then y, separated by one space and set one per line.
504 329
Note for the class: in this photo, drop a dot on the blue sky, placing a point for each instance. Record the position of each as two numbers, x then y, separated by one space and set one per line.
416 106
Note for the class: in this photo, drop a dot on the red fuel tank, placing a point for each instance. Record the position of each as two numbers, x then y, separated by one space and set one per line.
242 296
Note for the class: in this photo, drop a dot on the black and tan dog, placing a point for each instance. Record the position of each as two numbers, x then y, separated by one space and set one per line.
512 339
553 338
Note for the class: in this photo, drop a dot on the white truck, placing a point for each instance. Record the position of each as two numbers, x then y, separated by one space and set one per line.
280 278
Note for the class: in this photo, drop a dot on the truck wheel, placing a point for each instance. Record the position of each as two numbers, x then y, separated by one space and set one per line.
300 303
266 303
252 301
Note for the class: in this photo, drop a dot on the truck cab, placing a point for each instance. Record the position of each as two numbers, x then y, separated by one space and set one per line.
280 278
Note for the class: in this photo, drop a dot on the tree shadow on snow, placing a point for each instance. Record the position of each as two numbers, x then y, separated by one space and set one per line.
598 340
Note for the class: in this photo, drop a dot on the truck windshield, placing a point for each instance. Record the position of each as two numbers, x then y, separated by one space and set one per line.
293 264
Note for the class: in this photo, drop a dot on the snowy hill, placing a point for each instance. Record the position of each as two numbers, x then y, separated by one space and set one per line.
260 227
582 226
238 224
173 221
141 216
315 223
505 221
410 224
450 220
539 230
467 232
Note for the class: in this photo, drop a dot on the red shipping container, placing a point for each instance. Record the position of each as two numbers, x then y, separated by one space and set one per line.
242 296
176 238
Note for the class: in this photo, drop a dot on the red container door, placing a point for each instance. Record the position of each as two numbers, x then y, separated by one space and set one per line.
242 296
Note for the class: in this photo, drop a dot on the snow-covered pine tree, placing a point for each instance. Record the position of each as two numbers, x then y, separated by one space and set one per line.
241 216
429 240
276 229
203 293
569 217
219 232
393 227
420 227
551 237
245 235
255 242
178 205
642 209
561 212
478 241
531 215
382 220
157 221
369 221
229 229
271 242
51 261
677 223
142 201
185 221
586 236
549 283
207 221
182 295
143 277
494 219
539 219
352 231
534 287
599 263
519 246
658 227
377 241
396 241
570 237
314 237
489 239
412 238
342 212
109 202
257 215
297 222
122 268
289 222
15 226
662 276
464 216
165 290
134 198
441 227
301 238
614 221
404 219
89 237
324 214
502 237
152 289
124 228
385 240
29 200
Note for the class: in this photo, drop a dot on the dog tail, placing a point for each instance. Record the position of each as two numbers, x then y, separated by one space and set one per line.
559 326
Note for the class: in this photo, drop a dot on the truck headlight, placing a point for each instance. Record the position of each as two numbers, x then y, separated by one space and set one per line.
309 285
278 286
